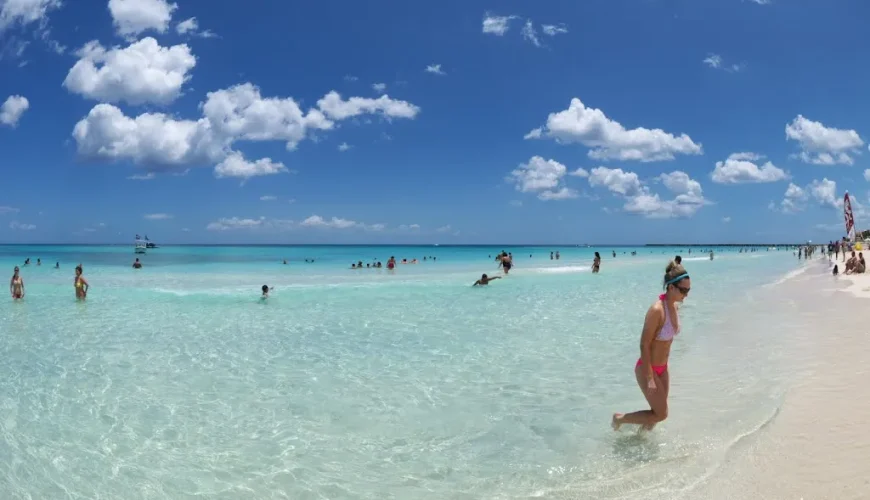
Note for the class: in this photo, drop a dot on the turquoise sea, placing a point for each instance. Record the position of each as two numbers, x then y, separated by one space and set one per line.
176 381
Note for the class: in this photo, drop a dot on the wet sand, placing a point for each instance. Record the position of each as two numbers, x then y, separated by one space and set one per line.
817 445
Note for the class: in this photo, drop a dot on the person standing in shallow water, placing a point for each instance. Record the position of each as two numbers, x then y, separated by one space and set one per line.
596 262
16 285
661 325
81 284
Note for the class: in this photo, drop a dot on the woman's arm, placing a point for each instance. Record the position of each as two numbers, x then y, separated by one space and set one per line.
651 325
22 288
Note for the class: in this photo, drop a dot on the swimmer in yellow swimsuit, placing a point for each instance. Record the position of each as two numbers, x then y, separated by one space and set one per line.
81 284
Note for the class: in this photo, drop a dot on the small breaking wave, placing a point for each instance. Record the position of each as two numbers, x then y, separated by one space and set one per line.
562 269
790 276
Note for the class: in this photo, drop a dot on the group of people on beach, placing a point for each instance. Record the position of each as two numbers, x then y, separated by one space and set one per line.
17 290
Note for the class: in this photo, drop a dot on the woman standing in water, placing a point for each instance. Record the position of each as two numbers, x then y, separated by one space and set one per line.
81 284
596 262
16 285
662 323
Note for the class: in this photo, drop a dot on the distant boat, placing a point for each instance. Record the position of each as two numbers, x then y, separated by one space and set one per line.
149 243
141 245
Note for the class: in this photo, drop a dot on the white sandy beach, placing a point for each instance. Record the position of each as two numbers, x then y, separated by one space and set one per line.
817 445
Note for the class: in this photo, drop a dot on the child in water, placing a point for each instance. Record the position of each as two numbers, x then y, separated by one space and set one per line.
266 290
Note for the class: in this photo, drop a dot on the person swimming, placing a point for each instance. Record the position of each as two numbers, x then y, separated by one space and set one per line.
484 280
596 263
266 289
137 264
81 284
16 285
661 325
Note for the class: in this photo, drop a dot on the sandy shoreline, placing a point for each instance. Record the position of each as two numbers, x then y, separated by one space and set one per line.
816 446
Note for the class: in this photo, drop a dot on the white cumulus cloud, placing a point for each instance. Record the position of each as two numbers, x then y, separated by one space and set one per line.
496 25
316 221
563 193
239 113
143 72
435 69
231 223
343 147
740 168
260 224
530 34
640 200
143 177
615 180
713 60
159 216
335 222
235 165
608 139
821 145
823 192
12 108
131 17
24 12
553 30
543 177
337 108
149 139
190 27
379 87
268 198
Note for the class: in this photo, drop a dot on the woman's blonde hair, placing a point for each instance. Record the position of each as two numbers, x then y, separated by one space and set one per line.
673 270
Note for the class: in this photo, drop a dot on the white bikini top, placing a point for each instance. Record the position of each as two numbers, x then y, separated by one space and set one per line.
667 332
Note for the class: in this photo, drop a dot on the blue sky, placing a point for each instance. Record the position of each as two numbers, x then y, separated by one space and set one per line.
625 121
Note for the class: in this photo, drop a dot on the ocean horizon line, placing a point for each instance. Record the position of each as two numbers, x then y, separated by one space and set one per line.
394 245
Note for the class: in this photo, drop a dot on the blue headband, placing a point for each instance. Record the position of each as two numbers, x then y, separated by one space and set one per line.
678 278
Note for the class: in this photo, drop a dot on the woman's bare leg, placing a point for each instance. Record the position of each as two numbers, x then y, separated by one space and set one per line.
665 380
657 399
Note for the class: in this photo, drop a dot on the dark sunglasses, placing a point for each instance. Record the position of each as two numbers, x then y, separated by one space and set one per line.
683 290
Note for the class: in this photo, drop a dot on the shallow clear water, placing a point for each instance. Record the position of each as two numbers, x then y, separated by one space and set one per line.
175 381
